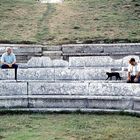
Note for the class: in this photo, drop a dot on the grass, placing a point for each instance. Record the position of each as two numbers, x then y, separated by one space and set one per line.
69 127
73 21
20 19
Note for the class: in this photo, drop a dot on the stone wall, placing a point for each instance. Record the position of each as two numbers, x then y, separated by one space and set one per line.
25 52
100 48
39 95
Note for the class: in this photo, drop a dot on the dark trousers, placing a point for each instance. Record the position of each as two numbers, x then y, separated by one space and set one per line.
14 66
132 80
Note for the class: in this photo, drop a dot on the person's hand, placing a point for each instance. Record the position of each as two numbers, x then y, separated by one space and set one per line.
128 79
10 65
136 79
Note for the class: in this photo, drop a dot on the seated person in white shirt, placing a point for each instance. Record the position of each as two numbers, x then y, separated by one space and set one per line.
8 60
133 71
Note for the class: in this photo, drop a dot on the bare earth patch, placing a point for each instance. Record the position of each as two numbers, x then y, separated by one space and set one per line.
51 1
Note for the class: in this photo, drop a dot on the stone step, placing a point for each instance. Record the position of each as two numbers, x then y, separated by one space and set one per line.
56 57
9 88
70 110
23 50
100 102
91 61
117 55
66 51
117 50
46 62
52 48
84 74
13 101
53 74
98 61
69 101
89 88
92 88
52 53
101 48
88 95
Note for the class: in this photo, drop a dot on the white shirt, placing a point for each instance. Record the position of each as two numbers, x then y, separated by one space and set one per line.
8 58
134 69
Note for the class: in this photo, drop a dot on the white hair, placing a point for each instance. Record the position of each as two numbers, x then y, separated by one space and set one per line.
8 48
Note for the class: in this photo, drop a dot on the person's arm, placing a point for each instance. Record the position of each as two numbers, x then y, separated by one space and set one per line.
138 74
14 62
4 63
2 60
14 59
129 71
129 76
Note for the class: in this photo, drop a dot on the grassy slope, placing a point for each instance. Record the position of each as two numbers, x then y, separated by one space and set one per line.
69 127
20 19
72 21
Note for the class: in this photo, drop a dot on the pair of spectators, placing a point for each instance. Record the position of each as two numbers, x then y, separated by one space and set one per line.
8 60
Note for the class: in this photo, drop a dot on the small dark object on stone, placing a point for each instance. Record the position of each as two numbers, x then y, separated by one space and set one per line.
115 74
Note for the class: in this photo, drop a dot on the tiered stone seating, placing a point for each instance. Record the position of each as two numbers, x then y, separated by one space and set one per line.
78 84
114 50
78 68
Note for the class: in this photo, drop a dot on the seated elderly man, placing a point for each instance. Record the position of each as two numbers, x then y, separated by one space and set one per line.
133 71
8 60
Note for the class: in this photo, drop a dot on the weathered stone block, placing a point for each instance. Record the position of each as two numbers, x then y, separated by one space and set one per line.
81 74
93 61
36 74
19 49
72 48
95 73
7 74
92 48
60 63
122 48
82 48
13 88
40 62
102 61
69 74
43 88
113 89
110 103
56 102
13 102
52 48
77 61
136 105
46 62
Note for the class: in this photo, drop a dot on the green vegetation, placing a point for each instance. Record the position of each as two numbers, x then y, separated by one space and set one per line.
69 127
73 21
20 19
